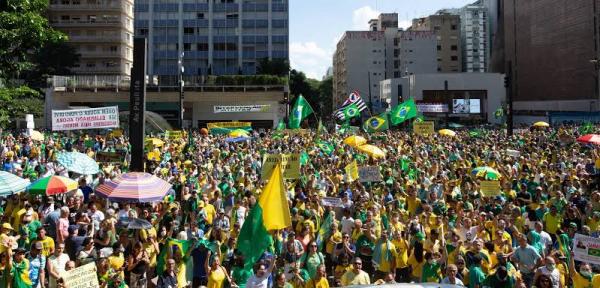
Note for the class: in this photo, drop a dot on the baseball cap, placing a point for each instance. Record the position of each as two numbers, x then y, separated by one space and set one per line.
73 228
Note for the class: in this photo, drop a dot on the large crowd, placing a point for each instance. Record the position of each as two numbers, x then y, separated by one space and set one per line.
426 221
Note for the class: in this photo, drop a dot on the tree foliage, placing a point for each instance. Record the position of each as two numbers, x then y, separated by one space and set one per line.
277 66
317 93
15 102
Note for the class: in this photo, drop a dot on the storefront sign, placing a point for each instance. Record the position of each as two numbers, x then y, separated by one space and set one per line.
432 108
241 108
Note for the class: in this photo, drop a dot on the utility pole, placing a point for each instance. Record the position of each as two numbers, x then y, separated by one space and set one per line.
370 98
181 84
508 84
446 98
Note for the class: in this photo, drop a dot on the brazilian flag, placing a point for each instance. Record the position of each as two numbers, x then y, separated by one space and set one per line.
403 112
325 146
351 111
377 123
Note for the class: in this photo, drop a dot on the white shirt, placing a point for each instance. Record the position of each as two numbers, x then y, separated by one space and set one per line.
347 225
258 282
457 281
546 239
554 275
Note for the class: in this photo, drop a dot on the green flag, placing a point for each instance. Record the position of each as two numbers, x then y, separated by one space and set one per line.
404 163
301 110
254 239
325 146
376 123
499 113
324 231
280 125
176 246
351 111
304 158
403 112
586 128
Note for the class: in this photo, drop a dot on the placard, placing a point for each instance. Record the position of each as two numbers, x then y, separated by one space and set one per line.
92 118
332 202
586 249
173 134
290 165
241 108
228 125
424 128
81 277
490 188
110 157
369 174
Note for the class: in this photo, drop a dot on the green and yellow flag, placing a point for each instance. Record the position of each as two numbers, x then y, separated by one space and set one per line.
377 123
325 146
403 112
270 213
300 111
351 171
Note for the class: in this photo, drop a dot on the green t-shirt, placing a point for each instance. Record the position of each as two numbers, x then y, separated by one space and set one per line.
431 273
363 241
476 276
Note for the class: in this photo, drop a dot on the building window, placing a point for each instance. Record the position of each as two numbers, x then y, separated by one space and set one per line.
439 47
454 58
143 32
90 65
232 16
64 17
453 27
113 48
187 46
454 47
188 30
202 46
200 16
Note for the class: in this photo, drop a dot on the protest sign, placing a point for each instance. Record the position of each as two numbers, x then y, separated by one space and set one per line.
290 165
110 157
352 171
369 174
241 108
81 277
332 202
424 128
173 134
226 127
490 188
586 249
92 118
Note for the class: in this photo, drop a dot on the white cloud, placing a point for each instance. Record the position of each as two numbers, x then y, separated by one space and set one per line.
361 17
404 24
309 58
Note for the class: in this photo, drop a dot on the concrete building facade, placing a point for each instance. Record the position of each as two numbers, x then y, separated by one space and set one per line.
455 97
474 28
216 37
101 32
446 26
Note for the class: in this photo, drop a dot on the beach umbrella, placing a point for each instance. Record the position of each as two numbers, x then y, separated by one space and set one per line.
541 124
355 141
486 172
37 136
134 187
11 184
589 139
447 132
238 133
371 150
78 162
154 142
52 185
455 125
237 139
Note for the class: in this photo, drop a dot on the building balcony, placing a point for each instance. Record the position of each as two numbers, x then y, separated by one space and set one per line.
100 70
100 38
119 6
105 54
88 23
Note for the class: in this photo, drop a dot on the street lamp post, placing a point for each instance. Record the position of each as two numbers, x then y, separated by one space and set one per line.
181 84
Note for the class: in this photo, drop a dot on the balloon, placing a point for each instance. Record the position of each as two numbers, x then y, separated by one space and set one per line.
204 131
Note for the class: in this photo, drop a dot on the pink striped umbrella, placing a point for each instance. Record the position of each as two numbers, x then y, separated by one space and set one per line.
134 187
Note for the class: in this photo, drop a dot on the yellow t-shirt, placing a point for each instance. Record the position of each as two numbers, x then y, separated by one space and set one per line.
215 279
386 265
330 245
47 246
401 246
321 283
210 211
181 279
552 223
417 268
116 262
17 214
413 203
580 282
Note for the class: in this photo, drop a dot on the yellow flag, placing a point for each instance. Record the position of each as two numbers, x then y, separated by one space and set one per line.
274 204
352 171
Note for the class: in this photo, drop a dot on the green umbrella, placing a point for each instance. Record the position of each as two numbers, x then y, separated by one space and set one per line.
486 172
11 184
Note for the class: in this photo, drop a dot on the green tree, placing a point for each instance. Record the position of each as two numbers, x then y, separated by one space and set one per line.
15 102
24 30
277 66
55 58
326 95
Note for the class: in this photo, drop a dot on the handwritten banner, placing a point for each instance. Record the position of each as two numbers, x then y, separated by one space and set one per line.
81 277
290 165
424 128
490 188
586 249
369 174
332 202
92 118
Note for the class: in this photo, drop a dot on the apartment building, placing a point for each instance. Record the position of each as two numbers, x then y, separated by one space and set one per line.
100 30
446 26
475 37
215 37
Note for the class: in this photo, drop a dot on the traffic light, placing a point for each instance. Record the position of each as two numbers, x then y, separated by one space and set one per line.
506 81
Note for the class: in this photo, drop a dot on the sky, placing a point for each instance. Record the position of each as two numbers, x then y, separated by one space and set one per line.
317 25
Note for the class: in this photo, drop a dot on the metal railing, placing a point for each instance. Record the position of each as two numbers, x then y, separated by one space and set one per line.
157 84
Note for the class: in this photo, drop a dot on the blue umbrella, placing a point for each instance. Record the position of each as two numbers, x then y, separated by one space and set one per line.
78 163
236 139
11 184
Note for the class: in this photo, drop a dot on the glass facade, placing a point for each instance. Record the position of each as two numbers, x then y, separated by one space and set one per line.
217 37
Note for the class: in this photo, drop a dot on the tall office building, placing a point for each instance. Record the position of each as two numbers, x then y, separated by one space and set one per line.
216 37
364 58
446 26
474 28
100 30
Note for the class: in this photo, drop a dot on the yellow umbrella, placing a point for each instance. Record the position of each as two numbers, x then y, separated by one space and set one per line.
238 133
371 150
447 132
355 141
153 156
154 142
37 136
541 124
